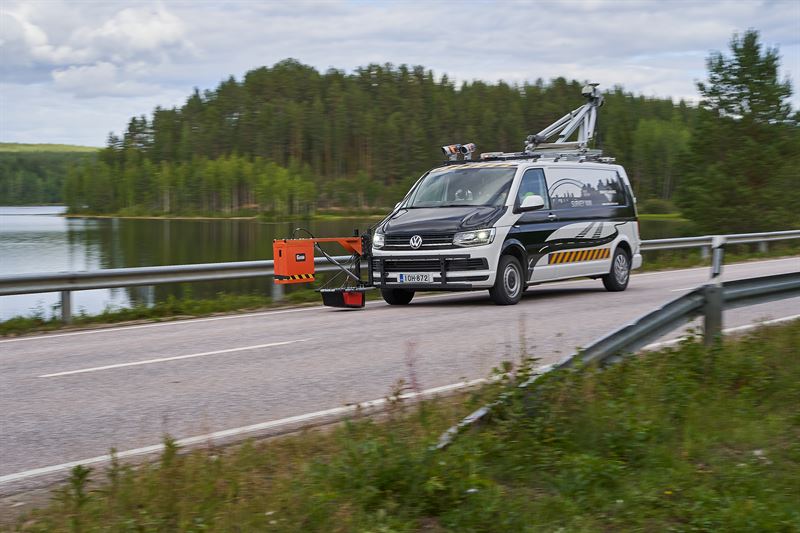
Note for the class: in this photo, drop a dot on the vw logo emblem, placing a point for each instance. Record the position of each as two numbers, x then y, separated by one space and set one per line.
415 242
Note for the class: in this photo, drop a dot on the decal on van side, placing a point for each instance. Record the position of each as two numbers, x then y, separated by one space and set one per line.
573 237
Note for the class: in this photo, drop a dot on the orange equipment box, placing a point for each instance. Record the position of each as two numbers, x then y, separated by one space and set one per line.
294 260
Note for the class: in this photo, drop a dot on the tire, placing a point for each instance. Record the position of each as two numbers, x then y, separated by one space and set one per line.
397 296
619 276
509 283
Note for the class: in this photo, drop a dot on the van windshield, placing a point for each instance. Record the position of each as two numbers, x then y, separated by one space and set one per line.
456 187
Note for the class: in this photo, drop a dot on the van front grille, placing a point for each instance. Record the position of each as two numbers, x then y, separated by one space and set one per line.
430 241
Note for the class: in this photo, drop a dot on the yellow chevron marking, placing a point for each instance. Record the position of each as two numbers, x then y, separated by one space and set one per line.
575 256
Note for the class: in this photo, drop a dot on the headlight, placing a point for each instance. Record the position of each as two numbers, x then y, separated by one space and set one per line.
377 240
474 238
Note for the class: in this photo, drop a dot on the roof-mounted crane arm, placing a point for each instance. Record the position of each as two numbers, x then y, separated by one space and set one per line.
582 119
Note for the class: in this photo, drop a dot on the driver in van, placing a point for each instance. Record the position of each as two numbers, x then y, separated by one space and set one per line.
462 195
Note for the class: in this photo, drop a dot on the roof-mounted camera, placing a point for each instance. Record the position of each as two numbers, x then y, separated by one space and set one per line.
452 151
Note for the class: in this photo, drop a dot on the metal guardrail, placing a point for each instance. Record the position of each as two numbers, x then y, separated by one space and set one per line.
66 282
707 301
706 241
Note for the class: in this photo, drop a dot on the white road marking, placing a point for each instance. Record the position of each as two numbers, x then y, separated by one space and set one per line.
683 289
237 432
176 358
192 321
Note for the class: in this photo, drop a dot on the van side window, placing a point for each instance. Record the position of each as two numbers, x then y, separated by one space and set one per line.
585 190
533 183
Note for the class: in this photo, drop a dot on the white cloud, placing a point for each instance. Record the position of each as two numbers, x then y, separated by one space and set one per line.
100 79
146 53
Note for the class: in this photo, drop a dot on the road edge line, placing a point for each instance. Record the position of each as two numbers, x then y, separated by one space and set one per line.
337 412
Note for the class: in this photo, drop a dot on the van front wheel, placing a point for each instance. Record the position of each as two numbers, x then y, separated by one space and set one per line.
397 296
509 283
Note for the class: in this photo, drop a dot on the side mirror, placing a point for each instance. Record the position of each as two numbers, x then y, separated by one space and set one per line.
531 203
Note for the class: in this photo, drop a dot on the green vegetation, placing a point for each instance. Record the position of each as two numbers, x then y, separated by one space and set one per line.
35 173
657 206
662 216
685 439
288 140
745 147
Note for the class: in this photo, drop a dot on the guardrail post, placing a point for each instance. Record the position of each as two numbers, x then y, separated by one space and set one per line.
763 247
712 313
66 307
277 292
717 256
705 252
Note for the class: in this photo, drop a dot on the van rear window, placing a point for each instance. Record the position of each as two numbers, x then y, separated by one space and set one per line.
584 190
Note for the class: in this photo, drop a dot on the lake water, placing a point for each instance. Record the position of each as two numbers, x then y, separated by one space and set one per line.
38 239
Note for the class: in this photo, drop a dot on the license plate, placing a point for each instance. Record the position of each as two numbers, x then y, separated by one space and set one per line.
416 277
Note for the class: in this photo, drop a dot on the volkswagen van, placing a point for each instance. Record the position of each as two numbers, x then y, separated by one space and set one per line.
503 224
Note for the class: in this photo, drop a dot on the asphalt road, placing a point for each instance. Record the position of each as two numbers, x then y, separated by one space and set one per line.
71 396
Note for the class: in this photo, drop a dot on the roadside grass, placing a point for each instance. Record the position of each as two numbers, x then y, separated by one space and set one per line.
684 439
662 216
172 307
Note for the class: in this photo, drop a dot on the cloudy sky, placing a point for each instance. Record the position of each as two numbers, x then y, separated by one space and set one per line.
72 71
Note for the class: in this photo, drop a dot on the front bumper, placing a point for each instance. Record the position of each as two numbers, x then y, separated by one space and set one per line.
451 271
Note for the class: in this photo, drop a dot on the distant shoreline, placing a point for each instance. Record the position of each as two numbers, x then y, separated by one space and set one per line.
256 218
